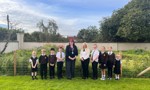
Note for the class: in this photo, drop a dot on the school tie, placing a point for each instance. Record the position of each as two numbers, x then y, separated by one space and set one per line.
92 55
61 55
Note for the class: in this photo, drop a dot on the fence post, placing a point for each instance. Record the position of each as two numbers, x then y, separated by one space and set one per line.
14 63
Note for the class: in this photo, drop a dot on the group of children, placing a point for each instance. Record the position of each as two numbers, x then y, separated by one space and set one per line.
106 60
51 60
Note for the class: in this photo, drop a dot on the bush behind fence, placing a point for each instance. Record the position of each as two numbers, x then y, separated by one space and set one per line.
133 62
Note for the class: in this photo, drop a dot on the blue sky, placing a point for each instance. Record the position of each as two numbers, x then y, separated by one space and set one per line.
70 15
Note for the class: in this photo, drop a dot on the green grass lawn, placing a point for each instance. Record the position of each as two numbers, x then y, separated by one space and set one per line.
25 83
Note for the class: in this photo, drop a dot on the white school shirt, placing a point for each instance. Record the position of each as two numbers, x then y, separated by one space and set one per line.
85 54
109 53
30 60
95 53
58 56
119 60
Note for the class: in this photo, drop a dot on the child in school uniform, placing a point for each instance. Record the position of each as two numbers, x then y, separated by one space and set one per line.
34 62
103 62
94 60
43 60
52 62
118 66
60 60
110 62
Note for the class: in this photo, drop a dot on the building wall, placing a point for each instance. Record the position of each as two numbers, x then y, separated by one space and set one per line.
11 46
116 46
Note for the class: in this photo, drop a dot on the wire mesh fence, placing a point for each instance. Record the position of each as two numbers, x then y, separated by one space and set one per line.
133 62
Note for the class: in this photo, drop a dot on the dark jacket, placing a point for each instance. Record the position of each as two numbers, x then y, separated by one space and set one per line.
52 59
111 60
43 59
103 58
72 52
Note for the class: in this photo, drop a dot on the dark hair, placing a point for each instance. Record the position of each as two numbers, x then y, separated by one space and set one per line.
52 49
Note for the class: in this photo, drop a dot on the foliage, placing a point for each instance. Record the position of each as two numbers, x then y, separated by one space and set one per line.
89 34
4 34
128 24
133 62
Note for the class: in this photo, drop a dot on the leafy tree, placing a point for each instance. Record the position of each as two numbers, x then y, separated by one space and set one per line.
128 24
89 34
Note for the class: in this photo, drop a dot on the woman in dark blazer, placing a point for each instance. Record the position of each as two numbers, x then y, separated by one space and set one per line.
71 54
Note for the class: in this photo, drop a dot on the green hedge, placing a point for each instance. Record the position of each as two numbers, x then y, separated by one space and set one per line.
133 62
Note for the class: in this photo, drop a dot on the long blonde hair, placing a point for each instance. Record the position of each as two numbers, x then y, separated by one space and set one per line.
84 45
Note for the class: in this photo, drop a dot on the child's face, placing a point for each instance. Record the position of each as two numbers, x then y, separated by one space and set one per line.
52 51
43 52
102 49
94 46
117 56
33 54
109 49
60 49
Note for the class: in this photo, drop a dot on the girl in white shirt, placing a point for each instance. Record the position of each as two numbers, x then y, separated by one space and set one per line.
94 60
84 57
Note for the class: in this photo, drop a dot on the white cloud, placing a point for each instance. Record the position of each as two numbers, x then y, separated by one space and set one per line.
28 15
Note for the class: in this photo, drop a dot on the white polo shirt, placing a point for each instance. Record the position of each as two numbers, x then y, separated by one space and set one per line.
94 54
85 54
58 56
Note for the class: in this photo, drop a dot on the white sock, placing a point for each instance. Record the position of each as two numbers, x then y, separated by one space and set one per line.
118 76
104 76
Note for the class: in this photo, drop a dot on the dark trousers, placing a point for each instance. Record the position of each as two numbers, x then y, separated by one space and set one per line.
109 72
59 69
95 71
43 70
70 67
51 71
85 68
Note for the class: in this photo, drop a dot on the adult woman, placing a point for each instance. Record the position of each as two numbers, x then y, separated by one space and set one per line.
71 54
84 57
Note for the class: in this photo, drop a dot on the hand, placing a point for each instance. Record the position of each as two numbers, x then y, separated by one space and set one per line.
51 64
72 58
104 64
113 66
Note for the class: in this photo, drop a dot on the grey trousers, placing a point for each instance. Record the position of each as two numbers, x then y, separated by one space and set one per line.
70 68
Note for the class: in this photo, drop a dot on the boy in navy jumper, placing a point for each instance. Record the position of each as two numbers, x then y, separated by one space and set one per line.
43 60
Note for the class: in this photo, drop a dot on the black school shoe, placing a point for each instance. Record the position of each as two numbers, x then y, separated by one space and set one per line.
36 78
42 78
69 78
32 78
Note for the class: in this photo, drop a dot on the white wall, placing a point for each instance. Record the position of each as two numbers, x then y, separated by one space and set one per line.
116 46
11 46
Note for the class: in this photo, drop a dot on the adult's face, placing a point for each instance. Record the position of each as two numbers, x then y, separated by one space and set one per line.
71 43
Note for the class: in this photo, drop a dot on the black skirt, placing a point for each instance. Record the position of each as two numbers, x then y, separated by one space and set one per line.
117 70
34 69
102 66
